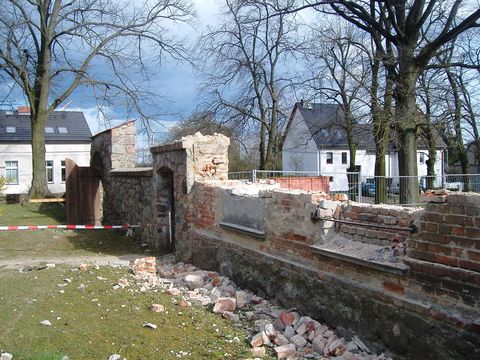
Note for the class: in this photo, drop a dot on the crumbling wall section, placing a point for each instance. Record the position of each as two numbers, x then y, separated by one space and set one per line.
422 304
389 305
445 255
389 218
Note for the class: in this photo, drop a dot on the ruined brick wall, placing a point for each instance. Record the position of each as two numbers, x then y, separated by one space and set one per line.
445 255
389 217
421 306
414 311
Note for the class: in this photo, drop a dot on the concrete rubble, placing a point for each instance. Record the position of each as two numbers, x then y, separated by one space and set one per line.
285 333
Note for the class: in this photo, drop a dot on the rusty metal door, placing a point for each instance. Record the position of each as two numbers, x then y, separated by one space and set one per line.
83 196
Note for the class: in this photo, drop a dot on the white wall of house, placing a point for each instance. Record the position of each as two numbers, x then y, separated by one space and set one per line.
337 169
22 153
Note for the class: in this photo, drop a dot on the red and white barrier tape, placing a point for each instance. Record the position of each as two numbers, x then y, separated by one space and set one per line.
67 227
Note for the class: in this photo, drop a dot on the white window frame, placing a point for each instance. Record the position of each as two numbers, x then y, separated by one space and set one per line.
47 167
10 129
9 167
49 130
422 158
329 157
63 171
62 130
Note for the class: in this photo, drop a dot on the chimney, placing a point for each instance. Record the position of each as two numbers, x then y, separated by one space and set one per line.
23 110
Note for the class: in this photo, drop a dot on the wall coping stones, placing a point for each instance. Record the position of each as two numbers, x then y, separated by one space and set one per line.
243 229
133 172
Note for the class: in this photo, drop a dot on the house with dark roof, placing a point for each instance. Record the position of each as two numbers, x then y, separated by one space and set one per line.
67 135
316 142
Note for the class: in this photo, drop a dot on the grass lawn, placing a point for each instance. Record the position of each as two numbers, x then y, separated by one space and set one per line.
99 321
51 243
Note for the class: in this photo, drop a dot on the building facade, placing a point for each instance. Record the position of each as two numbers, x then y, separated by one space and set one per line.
316 142
67 135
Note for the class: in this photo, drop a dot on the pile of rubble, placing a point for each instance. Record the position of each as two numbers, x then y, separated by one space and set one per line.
290 334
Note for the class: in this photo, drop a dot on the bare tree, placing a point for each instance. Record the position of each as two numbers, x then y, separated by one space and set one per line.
341 62
245 61
417 30
48 47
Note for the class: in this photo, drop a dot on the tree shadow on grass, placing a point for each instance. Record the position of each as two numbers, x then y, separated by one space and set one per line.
106 242
55 211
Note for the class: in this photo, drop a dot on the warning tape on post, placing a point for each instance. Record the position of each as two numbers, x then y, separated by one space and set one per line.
68 227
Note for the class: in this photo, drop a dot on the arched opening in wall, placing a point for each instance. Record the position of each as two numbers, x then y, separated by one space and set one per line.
165 210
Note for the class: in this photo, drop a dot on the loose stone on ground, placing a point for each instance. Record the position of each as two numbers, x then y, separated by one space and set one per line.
280 332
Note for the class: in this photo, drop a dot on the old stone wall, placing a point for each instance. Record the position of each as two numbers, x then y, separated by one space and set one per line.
407 311
352 273
130 200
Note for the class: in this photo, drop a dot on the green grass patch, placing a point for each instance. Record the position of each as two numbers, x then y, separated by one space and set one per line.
53 243
99 321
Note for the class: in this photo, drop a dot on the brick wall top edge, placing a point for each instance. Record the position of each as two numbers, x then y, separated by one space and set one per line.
409 210
464 198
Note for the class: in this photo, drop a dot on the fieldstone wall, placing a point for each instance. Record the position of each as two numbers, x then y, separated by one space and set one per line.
130 200
114 148
192 159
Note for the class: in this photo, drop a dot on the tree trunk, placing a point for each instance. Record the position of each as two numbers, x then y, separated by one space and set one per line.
407 161
381 120
457 125
262 147
406 119
39 186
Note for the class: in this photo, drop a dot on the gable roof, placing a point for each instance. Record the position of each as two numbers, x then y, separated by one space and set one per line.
326 124
74 121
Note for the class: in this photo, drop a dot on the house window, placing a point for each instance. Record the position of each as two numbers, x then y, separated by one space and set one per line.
344 157
329 157
62 130
11 172
49 170
10 129
62 170
422 158
49 130
330 179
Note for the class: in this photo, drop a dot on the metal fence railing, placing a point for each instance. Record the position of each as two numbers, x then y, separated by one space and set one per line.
371 189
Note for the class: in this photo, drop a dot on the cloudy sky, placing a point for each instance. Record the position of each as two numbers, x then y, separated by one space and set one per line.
176 83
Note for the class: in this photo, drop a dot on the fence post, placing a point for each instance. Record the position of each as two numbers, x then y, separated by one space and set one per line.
359 184
254 176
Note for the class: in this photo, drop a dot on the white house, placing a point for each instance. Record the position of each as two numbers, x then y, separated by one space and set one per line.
67 135
316 142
